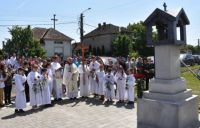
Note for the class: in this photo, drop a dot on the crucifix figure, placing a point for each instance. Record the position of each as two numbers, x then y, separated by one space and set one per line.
165 7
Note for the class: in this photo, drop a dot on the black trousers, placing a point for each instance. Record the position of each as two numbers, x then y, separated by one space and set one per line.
7 93
147 84
27 92
140 88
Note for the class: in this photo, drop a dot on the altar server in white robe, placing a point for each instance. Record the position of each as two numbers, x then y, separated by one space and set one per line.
120 78
94 68
101 82
55 65
50 76
46 97
20 100
130 86
84 81
70 79
109 84
34 90
58 84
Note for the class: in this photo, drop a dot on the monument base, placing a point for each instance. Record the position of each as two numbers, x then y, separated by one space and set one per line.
156 113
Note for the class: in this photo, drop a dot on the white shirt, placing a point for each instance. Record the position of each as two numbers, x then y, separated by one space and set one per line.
2 84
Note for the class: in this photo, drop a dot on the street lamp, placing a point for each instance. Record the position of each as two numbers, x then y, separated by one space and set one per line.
86 10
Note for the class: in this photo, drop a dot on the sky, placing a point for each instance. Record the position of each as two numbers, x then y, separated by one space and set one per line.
38 13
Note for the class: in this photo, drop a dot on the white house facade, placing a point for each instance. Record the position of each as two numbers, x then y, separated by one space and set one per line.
54 42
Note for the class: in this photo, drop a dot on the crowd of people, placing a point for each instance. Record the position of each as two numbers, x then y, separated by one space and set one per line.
38 81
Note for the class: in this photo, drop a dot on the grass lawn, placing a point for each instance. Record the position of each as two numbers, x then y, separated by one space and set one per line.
192 82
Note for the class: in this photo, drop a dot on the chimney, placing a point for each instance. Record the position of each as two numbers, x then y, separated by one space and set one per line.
99 25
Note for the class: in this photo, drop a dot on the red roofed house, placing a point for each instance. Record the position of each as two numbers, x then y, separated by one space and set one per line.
53 41
101 38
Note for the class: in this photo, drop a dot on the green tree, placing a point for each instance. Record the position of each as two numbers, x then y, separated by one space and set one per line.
122 46
190 48
22 43
138 36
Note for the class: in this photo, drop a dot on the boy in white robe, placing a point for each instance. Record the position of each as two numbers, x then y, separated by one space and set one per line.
120 78
58 84
109 84
46 96
101 82
20 100
130 86
50 77
93 67
84 81
55 65
34 89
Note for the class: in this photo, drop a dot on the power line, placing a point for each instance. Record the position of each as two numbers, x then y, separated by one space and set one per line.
90 25
25 20
10 25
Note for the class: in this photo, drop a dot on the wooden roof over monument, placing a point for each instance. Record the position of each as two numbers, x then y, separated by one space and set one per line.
173 15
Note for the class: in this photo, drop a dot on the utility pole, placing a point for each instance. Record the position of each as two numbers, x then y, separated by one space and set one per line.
81 35
82 46
81 28
198 47
54 21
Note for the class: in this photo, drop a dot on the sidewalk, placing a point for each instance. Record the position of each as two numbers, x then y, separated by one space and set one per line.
82 113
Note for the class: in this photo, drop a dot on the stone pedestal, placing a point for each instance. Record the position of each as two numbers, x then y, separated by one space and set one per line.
168 103
168 114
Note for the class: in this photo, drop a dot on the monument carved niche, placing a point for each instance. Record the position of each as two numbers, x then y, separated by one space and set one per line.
168 103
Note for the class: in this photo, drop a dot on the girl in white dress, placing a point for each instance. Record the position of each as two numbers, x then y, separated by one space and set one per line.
46 95
120 78
109 85
101 82
20 100
130 86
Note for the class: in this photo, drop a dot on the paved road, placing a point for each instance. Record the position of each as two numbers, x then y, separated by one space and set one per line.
82 113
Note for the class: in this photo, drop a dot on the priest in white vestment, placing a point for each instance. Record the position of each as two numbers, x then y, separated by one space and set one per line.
70 79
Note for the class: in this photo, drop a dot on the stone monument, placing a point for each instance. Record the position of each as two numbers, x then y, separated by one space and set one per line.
168 103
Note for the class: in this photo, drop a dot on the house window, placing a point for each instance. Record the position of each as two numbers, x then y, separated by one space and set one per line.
58 42
59 51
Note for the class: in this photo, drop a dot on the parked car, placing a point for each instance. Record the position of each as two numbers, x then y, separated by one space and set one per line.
151 58
197 59
106 60
188 59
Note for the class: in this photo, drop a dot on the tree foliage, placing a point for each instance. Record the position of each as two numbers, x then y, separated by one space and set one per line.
138 36
22 43
190 48
122 46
